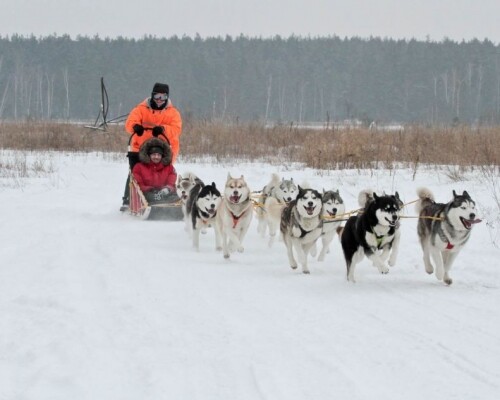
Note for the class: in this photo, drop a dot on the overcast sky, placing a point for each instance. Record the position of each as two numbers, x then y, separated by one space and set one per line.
435 19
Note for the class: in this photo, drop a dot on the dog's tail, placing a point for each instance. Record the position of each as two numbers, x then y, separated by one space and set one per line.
425 197
364 197
275 181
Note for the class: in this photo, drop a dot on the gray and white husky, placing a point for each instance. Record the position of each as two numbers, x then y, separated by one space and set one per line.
373 233
202 206
301 226
183 186
332 206
275 196
235 214
443 230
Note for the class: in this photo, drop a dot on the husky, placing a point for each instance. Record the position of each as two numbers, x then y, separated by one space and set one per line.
332 205
235 214
275 196
301 225
183 186
202 205
443 230
373 233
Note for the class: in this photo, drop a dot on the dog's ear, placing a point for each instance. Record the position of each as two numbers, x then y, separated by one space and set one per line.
213 184
454 193
337 192
465 194
396 195
375 197
229 176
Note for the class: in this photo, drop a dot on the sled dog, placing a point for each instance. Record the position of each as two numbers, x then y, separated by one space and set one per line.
442 238
373 233
332 205
202 206
183 186
275 196
235 214
301 225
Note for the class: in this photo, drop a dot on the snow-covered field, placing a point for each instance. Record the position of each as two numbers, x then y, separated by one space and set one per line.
95 304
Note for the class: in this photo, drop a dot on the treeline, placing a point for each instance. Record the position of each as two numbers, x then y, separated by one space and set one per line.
253 79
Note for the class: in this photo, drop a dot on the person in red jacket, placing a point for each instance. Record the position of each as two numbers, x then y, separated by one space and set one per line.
154 172
153 117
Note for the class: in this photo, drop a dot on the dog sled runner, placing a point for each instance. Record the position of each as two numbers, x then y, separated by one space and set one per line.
170 210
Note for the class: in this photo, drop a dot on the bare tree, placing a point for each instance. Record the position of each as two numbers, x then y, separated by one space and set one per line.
66 88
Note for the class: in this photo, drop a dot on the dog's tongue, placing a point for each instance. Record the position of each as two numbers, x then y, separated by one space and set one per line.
469 222
234 199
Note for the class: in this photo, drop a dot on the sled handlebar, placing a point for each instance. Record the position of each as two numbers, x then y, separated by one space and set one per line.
147 129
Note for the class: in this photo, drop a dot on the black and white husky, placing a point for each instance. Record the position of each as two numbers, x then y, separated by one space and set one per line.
443 230
183 186
373 233
202 205
301 226
332 206
275 196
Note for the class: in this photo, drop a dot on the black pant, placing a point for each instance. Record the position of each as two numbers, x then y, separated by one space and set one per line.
133 158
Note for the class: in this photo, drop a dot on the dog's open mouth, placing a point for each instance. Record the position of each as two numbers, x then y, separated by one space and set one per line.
210 211
332 213
309 210
393 223
235 198
469 222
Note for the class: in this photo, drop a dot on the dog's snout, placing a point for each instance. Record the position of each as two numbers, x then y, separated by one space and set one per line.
310 203
334 211
394 217
212 205
472 216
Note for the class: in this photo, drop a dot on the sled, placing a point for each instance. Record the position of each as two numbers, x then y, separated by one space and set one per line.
170 210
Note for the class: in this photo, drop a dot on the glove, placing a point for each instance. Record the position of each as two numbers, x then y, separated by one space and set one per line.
138 129
165 192
158 130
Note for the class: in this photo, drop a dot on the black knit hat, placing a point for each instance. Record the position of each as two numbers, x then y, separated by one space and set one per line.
161 88
155 149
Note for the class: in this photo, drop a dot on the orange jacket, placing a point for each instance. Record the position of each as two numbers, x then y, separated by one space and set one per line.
144 115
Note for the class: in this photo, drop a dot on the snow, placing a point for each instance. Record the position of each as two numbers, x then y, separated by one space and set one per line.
96 304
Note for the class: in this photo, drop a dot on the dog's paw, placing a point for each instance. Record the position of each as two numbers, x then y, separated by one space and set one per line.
218 248
241 249
448 281
384 269
306 271
293 266
226 256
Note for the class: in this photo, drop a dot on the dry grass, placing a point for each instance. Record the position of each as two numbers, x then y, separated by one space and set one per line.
461 147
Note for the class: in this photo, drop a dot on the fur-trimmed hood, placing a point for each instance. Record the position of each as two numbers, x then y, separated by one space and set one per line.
155 142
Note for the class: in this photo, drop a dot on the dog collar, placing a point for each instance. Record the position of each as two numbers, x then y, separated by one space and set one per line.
449 246
236 219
